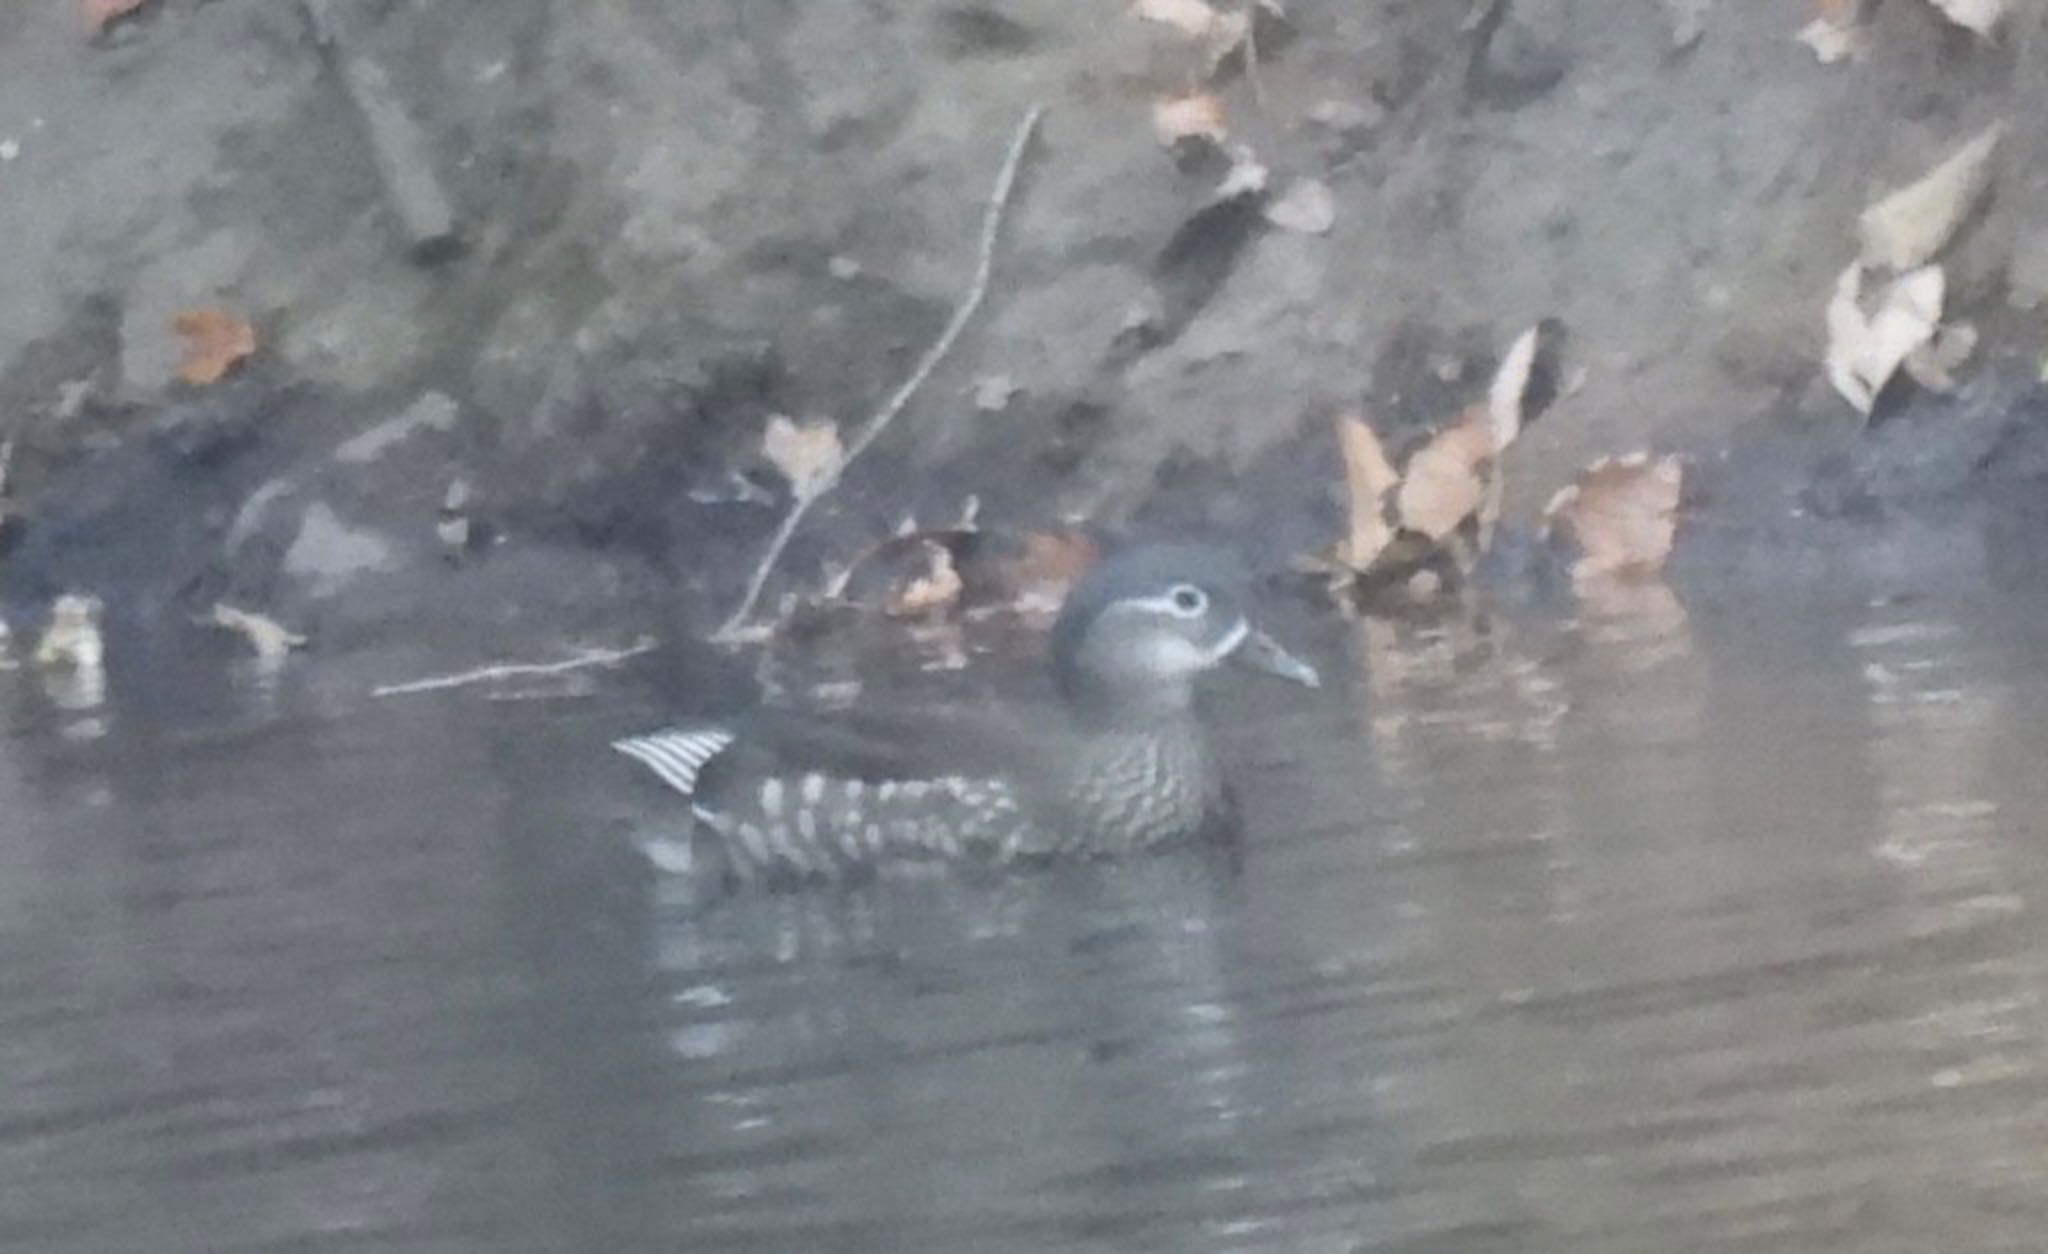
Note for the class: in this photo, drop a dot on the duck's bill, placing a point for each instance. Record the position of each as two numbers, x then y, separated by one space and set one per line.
1263 653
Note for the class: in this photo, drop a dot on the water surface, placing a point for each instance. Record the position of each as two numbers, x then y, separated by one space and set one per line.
1720 932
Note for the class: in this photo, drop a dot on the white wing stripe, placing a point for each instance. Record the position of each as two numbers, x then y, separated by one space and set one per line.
676 756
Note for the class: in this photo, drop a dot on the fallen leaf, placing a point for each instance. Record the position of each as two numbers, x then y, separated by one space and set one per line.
1932 364
100 13
1368 478
270 640
1193 18
807 453
1036 580
215 342
1508 397
1194 115
1307 206
73 637
1864 351
1688 21
1621 513
1837 33
936 586
1247 176
1446 481
1980 16
1911 225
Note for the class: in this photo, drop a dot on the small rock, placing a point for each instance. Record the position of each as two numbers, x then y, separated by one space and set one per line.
1307 206
845 269
992 392
10 148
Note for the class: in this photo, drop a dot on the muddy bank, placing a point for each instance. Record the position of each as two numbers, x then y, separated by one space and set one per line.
677 222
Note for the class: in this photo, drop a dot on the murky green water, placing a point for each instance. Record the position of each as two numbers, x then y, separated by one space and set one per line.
1657 934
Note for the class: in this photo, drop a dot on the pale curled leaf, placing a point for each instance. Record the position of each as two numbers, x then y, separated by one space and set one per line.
1621 513
1979 16
807 453
1510 385
1368 478
1912 224
1864 351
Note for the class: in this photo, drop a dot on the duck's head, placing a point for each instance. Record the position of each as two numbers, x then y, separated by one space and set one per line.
1136 631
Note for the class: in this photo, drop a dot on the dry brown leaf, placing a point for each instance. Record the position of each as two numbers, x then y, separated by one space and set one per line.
99 13
1864 351
1194 115
1909 226
1036 581
1447 480
215 342
1621 512
1979 16
1368 478
807 453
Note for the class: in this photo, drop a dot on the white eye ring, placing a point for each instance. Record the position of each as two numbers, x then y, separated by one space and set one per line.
1188 601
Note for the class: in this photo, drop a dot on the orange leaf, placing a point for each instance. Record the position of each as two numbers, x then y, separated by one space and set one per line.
1449 479
1622 512
99 13
215 341
1368 477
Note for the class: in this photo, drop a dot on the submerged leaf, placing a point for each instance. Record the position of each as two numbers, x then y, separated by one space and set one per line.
1621 513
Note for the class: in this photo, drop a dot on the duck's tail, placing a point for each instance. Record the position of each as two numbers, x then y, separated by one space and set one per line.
677 754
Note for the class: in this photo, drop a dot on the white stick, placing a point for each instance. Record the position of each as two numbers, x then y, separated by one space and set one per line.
991 227
585 660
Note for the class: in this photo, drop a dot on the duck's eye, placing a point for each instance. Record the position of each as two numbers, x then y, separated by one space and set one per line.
1188 600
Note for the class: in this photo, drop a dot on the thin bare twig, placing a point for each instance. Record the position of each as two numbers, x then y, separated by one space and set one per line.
991 227
584 660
